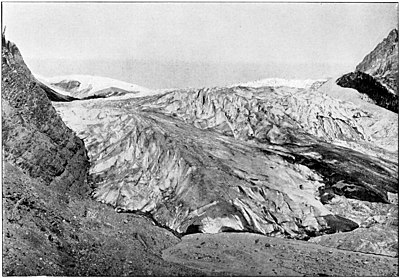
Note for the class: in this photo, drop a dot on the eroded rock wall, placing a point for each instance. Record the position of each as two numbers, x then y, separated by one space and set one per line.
35 138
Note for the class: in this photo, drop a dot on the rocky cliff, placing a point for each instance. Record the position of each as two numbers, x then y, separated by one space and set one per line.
383 62
35 139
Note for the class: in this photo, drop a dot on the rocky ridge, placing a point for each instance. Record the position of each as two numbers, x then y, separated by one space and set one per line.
383 63
35 138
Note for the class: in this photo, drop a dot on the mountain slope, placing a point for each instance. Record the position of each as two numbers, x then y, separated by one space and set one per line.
34 137
383 63
377 75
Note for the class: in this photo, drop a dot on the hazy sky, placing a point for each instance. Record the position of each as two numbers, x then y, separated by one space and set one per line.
218 33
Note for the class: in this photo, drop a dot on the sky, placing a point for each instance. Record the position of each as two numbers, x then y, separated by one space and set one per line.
195 44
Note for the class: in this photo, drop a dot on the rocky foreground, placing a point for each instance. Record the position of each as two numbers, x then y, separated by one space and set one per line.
255 255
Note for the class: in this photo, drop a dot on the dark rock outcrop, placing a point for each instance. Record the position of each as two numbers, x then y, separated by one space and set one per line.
68 85
366 84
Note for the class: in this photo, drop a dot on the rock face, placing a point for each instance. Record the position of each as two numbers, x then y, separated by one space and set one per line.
377 75
383 63
35 138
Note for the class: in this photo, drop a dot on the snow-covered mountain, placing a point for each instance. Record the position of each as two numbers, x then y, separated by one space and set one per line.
88 86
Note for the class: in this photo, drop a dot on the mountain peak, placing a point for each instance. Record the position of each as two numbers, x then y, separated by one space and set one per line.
383 63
